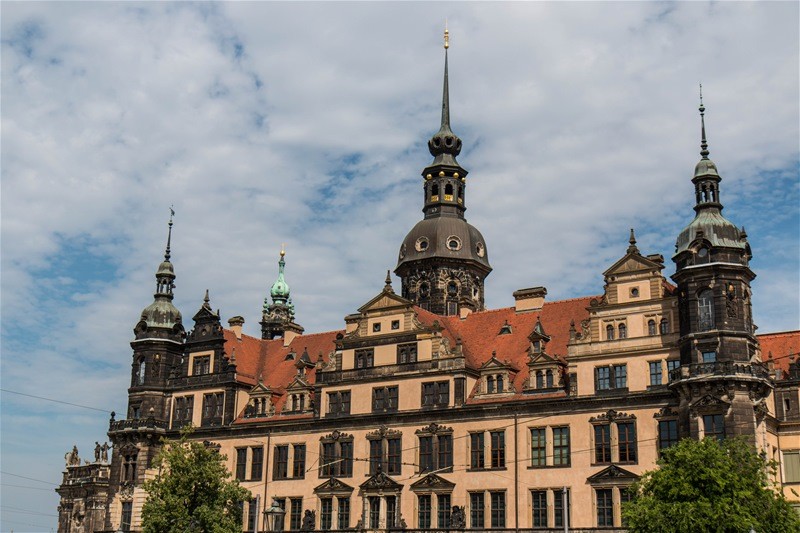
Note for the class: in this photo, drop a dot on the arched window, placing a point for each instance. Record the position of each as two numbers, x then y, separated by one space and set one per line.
448 190
651 327
435 189
664 325
490 384
539 379
705 310
549 376
140 374
452 288
609 332
499 383
623 331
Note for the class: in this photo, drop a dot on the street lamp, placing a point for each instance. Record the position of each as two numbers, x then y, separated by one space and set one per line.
273 517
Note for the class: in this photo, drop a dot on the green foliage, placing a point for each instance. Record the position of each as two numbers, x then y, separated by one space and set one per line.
192 492
709 486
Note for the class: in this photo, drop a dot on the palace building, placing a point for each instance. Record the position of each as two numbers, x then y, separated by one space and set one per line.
429 411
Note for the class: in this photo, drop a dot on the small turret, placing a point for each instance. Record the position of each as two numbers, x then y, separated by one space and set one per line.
278 317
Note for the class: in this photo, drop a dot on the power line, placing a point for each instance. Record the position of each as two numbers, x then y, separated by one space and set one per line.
24 487
29 478
55 401
26 511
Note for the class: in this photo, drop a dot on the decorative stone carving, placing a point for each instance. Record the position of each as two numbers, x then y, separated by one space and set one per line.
458 518
611 415
434 429
72 458
309 521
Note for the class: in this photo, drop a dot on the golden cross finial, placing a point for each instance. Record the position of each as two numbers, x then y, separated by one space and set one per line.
446 36
283 249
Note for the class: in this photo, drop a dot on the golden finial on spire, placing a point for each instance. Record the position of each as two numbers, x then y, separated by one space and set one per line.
283 249
446 36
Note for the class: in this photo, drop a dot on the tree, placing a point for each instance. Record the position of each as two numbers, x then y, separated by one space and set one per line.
192 491
711 486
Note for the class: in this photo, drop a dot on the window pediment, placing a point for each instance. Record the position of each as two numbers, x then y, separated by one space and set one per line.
709 404
612 416
333 487
612 475
433 483
383 432
380 482
336 436
434 429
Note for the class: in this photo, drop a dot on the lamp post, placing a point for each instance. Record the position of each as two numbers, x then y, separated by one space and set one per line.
273 517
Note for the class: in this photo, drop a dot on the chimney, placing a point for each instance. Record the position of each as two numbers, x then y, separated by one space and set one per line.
529 299
236 324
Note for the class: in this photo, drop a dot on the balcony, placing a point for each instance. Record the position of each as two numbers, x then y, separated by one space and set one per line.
137 424
337 376
719 368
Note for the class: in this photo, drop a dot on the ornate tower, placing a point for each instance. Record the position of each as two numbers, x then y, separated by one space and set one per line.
278 318
157 349
443 260
721 382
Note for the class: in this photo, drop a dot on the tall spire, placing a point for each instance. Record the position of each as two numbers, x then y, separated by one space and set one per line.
169 234
632 243
703 143
445 145
165 275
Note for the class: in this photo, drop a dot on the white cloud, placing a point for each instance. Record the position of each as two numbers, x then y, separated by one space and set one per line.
306 124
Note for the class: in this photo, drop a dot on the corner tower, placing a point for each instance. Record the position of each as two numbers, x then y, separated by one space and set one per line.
721 382
443 260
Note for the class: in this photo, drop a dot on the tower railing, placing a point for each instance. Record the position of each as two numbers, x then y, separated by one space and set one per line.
719 368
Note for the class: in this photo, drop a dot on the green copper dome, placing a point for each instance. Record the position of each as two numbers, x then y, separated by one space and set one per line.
280 289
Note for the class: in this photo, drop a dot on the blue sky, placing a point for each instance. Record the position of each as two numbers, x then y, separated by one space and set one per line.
306 124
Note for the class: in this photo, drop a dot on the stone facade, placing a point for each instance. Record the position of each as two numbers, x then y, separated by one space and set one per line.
428 411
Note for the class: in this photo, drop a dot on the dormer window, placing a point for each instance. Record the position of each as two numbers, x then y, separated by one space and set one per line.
505 329
623 331
376 327
499 382
490 384
537 346
609 332
651 327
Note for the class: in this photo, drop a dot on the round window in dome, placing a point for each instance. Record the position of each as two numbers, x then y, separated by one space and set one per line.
421 244
453 243
480 249
403 251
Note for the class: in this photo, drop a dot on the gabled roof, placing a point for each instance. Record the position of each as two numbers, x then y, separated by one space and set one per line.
632 262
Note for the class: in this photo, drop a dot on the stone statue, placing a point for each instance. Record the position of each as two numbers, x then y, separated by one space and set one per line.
458 518
309 521
104 452
97 449
72 458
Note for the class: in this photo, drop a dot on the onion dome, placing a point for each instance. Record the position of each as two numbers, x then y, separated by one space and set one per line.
280 289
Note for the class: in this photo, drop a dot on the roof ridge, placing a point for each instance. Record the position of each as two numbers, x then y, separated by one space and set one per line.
777 333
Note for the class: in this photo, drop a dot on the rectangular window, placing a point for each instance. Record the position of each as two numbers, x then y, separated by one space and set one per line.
445 455
436 394
182 413
406 353
605 508
626 432
346 464
252 514
328 458
476 510
212 409
561 446
443 514
281 464
343 513
602 443
498 510
299 464
424 511
339 403
709 357
558 507
655 373
391 511
241 463
476 452
714 426
539 508
257 464
538 446
365 358
375 456
394 456
425 454
667 433
384 399
295 513
624 497
620 376
326 513
201 365
791 466
443 394
127 513
498 451
602 378
672 365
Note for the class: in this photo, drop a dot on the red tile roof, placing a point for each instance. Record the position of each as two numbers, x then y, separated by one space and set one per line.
777 347
480 333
